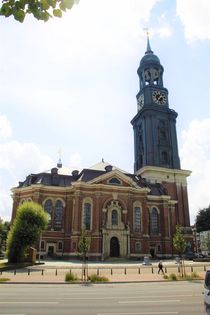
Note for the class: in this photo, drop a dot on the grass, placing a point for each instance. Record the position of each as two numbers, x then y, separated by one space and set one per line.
4 279
95 278
174 277
70 277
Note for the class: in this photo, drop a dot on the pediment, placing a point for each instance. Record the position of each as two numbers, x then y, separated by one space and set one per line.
114 178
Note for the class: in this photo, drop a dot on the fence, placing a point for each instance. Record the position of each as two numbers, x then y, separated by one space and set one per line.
114 272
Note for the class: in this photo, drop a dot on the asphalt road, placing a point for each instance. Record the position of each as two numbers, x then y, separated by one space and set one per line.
154 298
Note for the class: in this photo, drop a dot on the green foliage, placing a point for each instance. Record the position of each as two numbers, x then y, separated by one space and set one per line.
70 277
30 221
172 277
4 279
84 245
202 220
4 229
178 240
40 9
95 278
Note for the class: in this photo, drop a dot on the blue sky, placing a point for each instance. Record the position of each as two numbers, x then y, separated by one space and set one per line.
71 83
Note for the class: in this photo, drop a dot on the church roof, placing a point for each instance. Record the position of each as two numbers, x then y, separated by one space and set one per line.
64 177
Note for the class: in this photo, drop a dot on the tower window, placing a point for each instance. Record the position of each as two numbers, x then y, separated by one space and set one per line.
164 157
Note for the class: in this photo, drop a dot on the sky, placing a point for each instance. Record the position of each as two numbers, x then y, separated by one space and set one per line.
71 83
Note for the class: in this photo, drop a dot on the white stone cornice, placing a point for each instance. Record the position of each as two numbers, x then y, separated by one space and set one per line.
160 174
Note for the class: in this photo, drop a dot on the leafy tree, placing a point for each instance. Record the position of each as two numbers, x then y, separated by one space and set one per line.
4 229
205 244
180 245
84 246
202 220
40 9
30 221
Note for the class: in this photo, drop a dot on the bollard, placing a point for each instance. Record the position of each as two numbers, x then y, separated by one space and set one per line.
191 268
152 270
97 272
178 269
56 272
28 272
42 272
15 272
111 271
165 270
70 271
139 271
125 271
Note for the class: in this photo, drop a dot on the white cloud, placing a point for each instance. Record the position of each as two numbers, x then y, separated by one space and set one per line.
75 160
195 156
17 160
5 128
195 16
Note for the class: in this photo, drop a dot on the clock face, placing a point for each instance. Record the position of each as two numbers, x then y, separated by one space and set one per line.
159 97
140 101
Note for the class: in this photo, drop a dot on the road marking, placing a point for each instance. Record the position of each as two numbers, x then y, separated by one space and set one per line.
149 301
145 313
25 302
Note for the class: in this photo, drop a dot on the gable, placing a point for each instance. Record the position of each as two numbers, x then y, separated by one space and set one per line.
114 178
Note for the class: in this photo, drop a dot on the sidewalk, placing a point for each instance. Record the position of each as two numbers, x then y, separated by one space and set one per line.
53 272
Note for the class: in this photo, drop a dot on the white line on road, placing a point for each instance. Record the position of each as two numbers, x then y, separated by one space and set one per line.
149 301
145 313
25 302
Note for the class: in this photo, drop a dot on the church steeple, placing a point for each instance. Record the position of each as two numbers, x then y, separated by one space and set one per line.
149 50
155 141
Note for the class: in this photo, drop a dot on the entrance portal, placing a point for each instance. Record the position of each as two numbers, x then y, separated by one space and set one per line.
114 247
51 251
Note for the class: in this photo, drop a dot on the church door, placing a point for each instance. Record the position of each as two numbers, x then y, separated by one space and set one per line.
114 247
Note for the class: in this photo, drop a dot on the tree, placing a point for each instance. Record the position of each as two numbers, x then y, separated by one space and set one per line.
180 244
30 221
4 229
202 220
40 9
84 246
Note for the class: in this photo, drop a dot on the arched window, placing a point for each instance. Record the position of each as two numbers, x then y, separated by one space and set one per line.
114 181
137 219
58 214
154 226
48 209
114 217
87 216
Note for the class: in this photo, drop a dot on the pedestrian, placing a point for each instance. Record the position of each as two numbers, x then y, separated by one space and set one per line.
160 267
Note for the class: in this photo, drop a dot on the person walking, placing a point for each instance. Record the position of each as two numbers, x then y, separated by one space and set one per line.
160 267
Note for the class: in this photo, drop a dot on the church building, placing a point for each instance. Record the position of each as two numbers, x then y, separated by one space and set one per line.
124 215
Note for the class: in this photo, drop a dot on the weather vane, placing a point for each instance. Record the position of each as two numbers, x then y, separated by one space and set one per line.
146 30
59 153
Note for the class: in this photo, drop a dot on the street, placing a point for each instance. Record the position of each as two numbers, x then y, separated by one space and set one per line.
151 298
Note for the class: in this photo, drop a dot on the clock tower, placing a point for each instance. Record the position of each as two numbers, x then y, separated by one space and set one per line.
156 155
155 140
